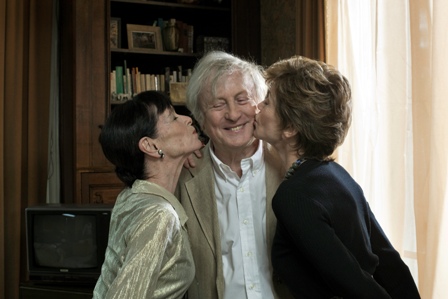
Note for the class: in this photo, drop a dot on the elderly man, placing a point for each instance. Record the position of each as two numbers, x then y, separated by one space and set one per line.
227 195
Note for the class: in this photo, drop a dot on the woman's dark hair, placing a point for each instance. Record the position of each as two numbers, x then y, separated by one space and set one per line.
124 128
313 98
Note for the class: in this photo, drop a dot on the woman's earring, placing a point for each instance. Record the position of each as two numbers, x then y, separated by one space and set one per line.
160 152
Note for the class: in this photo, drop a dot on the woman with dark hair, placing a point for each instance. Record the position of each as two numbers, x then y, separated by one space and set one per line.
148 253
328 243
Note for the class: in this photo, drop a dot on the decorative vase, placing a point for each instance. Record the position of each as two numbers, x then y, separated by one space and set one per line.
171 36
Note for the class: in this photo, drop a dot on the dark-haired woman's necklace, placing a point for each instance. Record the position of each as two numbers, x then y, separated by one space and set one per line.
293 168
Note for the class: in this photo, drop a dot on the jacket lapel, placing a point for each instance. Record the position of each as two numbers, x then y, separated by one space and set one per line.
201 192
274 175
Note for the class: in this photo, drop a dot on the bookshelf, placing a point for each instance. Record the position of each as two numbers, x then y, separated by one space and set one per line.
87 60
154 65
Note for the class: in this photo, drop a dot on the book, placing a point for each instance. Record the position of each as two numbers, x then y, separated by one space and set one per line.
167 79
125 81
162 82
156 82
137 81
119 79
143 86
190 37
113 83
183 36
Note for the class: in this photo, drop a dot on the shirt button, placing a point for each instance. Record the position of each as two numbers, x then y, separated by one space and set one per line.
241 189
249 253
245 221
251 287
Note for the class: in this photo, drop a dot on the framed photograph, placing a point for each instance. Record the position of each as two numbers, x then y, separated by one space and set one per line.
144 37
178 92
115 33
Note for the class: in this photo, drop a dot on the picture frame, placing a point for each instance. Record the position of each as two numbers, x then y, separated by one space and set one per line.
144 37
115 33
178 92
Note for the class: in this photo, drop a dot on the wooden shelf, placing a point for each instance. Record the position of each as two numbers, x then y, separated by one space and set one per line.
30 290
176 5
152 52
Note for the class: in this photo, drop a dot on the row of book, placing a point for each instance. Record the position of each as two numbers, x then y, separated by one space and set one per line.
126 82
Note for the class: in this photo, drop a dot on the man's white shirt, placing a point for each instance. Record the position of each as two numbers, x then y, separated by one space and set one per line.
241 206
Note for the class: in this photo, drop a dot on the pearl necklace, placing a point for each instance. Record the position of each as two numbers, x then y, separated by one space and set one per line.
293 168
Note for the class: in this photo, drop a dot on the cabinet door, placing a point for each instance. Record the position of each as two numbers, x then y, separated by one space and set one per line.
246 29
100 187
90 84
83 95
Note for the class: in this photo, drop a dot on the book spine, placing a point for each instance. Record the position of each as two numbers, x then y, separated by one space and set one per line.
143 86
162 82
129 82
190 38
113 83
119 77
137 83
125 80
156 82
181 41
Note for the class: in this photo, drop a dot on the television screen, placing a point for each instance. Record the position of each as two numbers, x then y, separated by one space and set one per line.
67 242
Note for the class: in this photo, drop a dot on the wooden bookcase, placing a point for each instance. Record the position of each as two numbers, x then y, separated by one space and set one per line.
86 60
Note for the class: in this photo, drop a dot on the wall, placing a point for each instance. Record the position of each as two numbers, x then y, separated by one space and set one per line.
278 30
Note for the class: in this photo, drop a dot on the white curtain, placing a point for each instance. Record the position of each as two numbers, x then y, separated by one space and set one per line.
394 53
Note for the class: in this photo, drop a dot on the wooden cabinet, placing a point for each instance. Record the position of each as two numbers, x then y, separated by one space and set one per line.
86 60
31 290
100 187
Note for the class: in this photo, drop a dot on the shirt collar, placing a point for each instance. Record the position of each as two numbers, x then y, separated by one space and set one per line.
256 161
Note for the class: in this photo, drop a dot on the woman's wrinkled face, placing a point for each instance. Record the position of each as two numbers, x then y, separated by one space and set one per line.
176 135
229 113
267 122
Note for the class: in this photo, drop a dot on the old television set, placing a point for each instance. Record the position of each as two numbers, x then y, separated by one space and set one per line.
66 242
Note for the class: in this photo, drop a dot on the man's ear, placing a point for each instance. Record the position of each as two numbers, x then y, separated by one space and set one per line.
148 146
